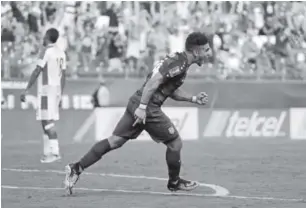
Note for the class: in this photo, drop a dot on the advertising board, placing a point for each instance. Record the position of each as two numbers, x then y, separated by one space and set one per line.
298 123
246 123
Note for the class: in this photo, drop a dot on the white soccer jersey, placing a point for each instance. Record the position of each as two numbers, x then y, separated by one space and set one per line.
53 61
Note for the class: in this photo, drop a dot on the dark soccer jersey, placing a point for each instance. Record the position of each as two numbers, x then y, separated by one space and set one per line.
173 68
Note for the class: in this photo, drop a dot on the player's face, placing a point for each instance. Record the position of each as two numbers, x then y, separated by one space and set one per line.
202 53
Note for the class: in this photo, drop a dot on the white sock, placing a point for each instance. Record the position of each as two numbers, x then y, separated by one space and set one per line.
54 146
47 149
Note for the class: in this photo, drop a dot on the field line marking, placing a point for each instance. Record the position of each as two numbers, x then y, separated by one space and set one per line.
108 190
222 192
263 198
219 190
151 193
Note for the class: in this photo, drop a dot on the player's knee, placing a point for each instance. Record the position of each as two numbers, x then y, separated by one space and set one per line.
116 141
49 129
176 144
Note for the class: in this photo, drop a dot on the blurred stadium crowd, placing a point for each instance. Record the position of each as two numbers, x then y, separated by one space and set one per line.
251 40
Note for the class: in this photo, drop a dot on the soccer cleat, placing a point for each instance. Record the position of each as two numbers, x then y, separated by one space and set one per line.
50 158
182 185
72 176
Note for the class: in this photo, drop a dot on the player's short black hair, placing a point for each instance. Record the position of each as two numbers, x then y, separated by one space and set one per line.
195 39
52 34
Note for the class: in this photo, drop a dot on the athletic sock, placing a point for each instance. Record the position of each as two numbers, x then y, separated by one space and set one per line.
94 154
46 144
54 146
173 159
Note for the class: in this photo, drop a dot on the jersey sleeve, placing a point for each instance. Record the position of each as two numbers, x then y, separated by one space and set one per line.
171 67
43 58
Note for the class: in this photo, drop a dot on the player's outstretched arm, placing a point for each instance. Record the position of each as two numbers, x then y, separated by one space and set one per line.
180 95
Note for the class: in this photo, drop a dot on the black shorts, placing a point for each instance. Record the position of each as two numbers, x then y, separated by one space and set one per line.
158 125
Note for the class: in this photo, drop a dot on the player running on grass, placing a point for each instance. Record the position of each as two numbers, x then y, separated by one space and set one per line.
50 71
143 112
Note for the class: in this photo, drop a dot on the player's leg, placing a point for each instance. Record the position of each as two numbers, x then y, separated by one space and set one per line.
98 150
122 133
163 130
47 113
51 145
173 158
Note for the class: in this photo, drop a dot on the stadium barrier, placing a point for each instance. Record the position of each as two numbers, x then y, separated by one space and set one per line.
298 123
246 123
243 117
21 125
192 123
228 95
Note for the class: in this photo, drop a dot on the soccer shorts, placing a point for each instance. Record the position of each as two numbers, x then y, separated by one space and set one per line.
158 125
48 104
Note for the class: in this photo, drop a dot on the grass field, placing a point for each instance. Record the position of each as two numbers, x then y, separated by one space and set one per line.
261 173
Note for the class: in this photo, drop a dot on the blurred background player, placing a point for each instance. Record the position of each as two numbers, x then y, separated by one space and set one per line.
144 112
50 71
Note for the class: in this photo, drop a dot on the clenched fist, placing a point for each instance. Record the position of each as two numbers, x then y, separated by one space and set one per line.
201 98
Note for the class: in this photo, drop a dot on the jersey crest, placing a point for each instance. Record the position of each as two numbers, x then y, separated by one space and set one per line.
174 71
171 130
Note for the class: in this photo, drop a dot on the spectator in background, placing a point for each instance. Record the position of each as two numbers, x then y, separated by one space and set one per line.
113 18
183 9
158 27
133 48
34 18
277 39
102 22
50 10
70 17
6 12
159 38
269 28
263 63
17 14
146 62
176 40
145 19
116 50
7 48
258 17
103 42
250 52
87 50
7 35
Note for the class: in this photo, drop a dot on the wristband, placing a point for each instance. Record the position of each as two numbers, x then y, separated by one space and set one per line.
142 106
194 99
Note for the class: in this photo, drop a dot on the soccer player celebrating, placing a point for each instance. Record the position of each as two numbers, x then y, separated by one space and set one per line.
50 71
144 112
